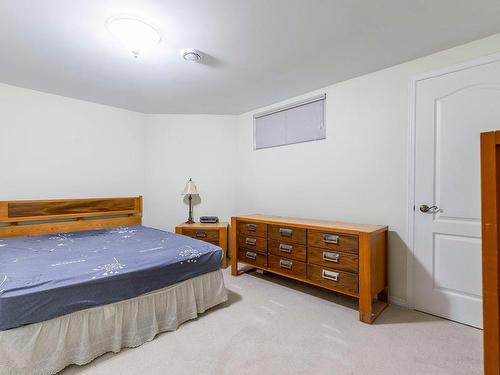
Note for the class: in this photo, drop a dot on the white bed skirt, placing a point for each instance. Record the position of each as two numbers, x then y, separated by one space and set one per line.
79 337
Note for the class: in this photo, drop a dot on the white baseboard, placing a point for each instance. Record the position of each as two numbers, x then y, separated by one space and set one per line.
398 301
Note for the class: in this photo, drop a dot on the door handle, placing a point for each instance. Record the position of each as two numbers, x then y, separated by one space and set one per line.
431 209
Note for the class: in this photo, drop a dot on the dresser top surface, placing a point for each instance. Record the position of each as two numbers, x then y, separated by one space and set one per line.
314 223
219 225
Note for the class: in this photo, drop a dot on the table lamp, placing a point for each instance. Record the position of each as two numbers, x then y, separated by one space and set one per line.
190 190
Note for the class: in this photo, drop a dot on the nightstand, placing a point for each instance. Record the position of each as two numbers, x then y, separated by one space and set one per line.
213 233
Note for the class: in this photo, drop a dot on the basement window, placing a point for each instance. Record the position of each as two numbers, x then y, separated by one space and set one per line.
295 123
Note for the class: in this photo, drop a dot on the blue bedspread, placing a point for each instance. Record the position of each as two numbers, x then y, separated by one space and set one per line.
43 277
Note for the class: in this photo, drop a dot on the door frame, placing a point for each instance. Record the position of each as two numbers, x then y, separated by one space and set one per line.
410 281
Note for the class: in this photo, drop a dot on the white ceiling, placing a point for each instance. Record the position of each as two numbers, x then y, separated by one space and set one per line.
258 51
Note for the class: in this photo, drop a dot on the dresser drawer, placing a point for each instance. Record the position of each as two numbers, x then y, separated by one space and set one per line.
333 241
333 278
328 258
252 257
284 233
202 234
252 243
248 228
287 250
288 266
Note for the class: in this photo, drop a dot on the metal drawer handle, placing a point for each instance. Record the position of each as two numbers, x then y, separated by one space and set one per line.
331 257
250 241
285 248
201 233
330 275
252 227
286 264
251 255
286 232
331 238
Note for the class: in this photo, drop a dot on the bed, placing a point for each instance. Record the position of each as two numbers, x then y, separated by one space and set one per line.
96 282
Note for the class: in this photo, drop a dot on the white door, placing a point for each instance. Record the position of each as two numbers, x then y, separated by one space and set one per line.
451 109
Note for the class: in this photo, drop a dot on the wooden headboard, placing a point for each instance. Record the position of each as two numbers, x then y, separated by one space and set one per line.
33 217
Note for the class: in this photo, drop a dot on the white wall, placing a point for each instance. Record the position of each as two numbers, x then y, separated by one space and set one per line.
359 173
182 146
56 147
51 146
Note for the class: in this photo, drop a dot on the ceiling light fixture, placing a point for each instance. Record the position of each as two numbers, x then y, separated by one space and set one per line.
192 55
136 35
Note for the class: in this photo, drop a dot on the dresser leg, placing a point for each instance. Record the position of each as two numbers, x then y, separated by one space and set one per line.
372 251
234 266
365 309
370 309
365 295
234 248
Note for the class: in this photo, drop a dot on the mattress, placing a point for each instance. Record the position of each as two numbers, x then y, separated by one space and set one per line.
43 277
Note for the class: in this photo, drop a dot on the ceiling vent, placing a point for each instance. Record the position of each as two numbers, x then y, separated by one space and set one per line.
192 55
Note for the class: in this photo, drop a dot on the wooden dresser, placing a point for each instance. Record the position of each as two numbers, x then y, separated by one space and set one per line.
347 258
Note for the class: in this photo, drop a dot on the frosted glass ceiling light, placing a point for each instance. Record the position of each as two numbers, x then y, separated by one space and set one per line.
136 35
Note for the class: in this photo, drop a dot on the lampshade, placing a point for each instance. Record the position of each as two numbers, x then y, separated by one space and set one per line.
190 188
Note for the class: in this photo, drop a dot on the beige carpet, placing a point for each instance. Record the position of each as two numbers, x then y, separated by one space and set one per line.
275 326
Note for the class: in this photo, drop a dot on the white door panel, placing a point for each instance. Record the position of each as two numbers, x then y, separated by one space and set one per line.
471 105
451 111
449 254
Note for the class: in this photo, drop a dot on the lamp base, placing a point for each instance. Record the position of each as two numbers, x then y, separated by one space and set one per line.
190 217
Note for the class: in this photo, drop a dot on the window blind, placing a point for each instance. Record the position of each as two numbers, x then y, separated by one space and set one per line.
299 122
